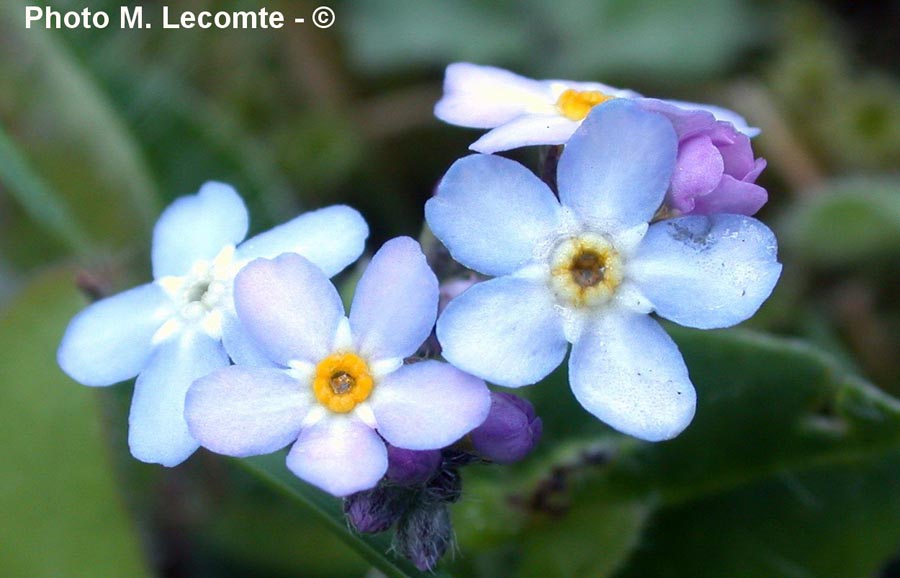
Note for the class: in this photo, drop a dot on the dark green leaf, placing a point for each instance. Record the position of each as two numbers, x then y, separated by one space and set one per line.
39 201
373 548
769 410
838 521
75 139
63 515
846 222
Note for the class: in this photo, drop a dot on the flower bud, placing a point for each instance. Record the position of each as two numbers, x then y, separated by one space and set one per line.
374 510
411 467
424 535
715 171
510 431
446 486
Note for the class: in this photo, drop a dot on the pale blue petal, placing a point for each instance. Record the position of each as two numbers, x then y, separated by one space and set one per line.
526 130
241 348
157 432
339 454
242 411
196 228
490 212
629 373
486 97
111 340
506 330
332 238
429 405
288 307
396 301
739 122
616 168
706 272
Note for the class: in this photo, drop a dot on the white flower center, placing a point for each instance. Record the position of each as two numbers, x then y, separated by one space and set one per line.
585 270
201 295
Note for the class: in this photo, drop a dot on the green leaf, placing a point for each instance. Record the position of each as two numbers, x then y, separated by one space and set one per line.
63 515
644 38
566 38
372 548
390 34
771 413
593 539
40 202
846 222
838 521
197 116
787 470
75 138
240 531
770 405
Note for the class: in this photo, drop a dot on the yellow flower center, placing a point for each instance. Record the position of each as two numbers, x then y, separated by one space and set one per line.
342 382
585 271
576 104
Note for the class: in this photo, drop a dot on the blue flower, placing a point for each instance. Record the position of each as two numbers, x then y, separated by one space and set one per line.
587 269
334 386
182 325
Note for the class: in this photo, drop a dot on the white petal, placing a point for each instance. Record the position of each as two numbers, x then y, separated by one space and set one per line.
616 168
629 373
196 228
706 272
111 340
739 122
490 212
506 330
526 130
486 97
339 454
157 432
241 348
242 411
395 304
429 405
288 307
332 238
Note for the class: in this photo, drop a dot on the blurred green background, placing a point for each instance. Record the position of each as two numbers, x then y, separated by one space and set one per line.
792 467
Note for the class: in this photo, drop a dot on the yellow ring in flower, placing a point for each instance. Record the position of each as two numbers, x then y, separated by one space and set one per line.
585 271
576 104
342 382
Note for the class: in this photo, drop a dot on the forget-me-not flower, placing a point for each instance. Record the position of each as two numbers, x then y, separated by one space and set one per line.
171 331
522 112
335 386
588 268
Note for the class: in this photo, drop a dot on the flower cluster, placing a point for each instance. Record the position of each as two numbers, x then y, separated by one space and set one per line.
183 325
714 172
334 386
588 267
245 348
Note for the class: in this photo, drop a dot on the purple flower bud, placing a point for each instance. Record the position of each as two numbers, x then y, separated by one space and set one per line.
510 431
411 467
446 486
374 510
715 171
424 535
